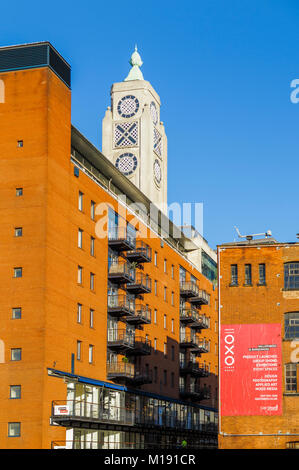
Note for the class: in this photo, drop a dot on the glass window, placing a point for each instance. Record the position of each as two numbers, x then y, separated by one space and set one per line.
80 236
156 258
80 270
14 429
80 201
15 392
18 231
165 265
18 272
172 271
262 273
92 246
79 313
16 354
92 277
165 321
182 274
172 325
20 143
16 313
79 343
156 287
91 318
165 293
291 276
291 378
90 354
291 325
234 275
248 280
155 316
92 209
19 192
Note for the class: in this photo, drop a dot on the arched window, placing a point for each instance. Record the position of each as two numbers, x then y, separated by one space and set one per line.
291 276
2 91
291 325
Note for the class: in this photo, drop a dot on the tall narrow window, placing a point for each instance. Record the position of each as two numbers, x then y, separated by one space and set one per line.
156 258
90 354
80 275
172 325
291 378
165 349
79 313
79 344
262 274
172 271
165 321
165 377
172 298
92 240
155 344
165 265
80 201
155 374
165 293
156 288
172 353
291 276
248 280
155 316
91 318
92 209
92 282
234 275
172 379
80 237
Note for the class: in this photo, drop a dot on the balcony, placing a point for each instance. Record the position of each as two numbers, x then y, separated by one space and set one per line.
141 316
195 344
203 346
201 298
120 340
194 369
141 347
200 322
72 413
120 273
128 374
120 305
188 289
188 315
119 239
142 253
194 392
142 284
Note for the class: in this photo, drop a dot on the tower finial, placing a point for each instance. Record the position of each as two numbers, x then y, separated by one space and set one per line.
136 62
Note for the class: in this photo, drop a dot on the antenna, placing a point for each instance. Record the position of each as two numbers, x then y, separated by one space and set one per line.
250 237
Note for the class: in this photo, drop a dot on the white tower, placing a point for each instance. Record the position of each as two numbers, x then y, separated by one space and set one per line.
133 137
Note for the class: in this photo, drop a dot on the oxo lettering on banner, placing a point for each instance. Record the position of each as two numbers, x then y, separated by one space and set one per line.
251 371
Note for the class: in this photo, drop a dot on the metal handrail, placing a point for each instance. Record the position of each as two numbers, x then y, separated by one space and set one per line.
143 279
121 233
122 268
194 365
115 300
120 336
124 368
189 286
142 247
142 311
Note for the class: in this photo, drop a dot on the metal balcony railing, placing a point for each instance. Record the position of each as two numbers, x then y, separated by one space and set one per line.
141 347
194 319
141 284
121 273
201 298
120 239
120 340
193 342
120 305
142 253
188 289
120 369
141 316
76 410
194 368
195 391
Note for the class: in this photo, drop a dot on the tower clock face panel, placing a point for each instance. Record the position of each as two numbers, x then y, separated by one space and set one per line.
128 106
154 112
157 172
126 163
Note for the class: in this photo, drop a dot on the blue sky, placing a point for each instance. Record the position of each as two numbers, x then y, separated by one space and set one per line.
223 71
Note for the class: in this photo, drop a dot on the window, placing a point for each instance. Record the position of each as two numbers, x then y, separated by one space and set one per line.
92 246
20 143
155 344
172 298
155 316
165 349
262 274
165 293
172 353
172 271
165 377
155 374
165 265
291 325
234 275
16 354
172 325
90 353
291 378
18 272
92 281
16 313
14 429
80 273
156 288
182 274
291 276
19 192
156 258
91 318
80 237
18 231
79 344
15 392
165 321
80 201
79 313
248 280
172 379
92 209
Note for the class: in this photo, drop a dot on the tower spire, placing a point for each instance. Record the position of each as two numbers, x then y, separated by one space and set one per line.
136 62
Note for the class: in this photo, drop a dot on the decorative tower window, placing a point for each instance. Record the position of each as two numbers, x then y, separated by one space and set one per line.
126 163
154 113
128 106
157 143
126 134
157 172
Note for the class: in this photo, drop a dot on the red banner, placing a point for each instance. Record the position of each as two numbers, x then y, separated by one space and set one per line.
251 371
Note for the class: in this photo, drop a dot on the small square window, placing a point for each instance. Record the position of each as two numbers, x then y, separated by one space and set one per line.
16 354
16 313
19 191
18 232
18 272
15 392
14 429
20 143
